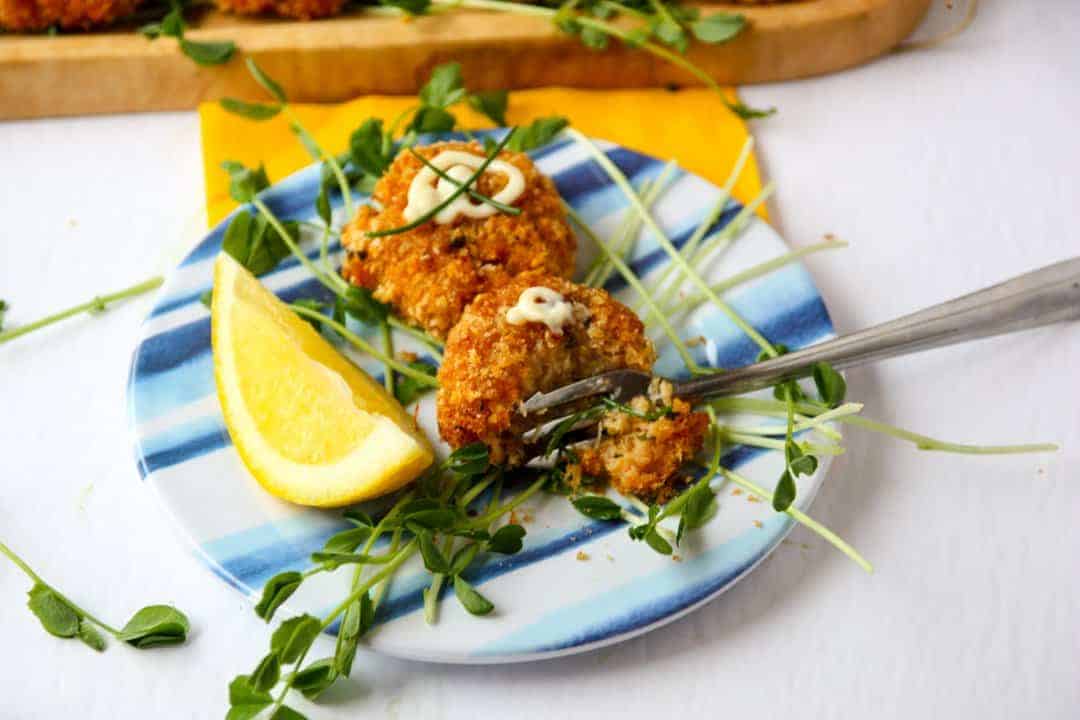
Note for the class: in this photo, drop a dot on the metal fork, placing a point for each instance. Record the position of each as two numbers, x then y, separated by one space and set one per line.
1038 298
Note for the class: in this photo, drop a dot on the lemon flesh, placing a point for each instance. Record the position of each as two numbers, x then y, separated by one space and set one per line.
311 427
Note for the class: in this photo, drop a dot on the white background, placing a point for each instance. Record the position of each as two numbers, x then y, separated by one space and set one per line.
946 169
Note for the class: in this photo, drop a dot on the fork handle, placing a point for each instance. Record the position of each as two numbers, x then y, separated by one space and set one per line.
1037 298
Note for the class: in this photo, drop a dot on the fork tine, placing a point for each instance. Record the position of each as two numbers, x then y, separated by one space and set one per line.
620 384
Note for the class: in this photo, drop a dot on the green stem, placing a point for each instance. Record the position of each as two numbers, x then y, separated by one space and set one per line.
389 569
672 252
335 167
433 345
489 517
635 283
388 348
802 518
98 304
765 442
330 281
474 194
367 347
10 554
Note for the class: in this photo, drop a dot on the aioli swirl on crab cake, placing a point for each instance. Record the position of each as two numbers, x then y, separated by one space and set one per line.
431 273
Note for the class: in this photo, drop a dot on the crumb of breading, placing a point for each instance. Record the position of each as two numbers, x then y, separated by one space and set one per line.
582 556
298 9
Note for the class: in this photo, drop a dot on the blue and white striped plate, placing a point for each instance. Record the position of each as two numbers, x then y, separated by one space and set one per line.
578 583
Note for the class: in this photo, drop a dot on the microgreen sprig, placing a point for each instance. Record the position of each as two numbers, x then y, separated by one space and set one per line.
476 195
94 306
152 626
173 25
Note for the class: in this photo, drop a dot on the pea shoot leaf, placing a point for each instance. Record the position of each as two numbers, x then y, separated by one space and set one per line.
506 540
785 492
700 507
746 112
432 120
593 38
347 541
407 389
56 615
463 558
276 591
255 244
434 560
3 307
208 53
245 701
444 88
597 507
358 518
287 713
313 680
266 674
367 148
412 7
471 459
492 104
470 599
90 636
537 134
294 636
244 182
718 27
798 462
361 305
155 625
671 33
249 110
656 541
831 385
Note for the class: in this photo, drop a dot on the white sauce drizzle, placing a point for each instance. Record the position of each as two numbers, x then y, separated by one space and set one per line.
425 194
543 305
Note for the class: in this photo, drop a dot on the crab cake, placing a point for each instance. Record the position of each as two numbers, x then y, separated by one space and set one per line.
431 273
32 15
642 456
494 360
300 9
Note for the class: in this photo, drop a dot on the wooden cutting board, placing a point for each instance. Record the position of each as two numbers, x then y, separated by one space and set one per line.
340 58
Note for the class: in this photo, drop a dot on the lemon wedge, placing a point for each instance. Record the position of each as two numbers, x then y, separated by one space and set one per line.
311 427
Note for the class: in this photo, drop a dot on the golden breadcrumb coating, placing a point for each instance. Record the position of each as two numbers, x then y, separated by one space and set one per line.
299 9
490 366
643 457
430 274
32 15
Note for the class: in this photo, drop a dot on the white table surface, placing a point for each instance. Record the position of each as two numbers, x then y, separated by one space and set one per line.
946 169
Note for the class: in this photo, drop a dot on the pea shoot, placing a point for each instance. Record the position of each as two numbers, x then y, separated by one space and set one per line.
172 25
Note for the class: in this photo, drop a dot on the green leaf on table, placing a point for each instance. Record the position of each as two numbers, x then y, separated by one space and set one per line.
90 636
537 134
294 636
267 673
244 182
597 507
506 540
831 385
266 81
245 702
56 615
316 678
250 110
155 625
407 389
445 86
491 104
718 27
276 591
208 53
470 599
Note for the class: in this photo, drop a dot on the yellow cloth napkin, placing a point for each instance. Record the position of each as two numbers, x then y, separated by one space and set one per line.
690 126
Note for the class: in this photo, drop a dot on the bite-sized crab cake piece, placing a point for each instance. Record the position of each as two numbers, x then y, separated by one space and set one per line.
496 356
299 9
641 456
32 15
431 273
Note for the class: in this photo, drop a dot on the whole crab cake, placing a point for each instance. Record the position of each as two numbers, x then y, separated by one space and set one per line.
299 9
534 334
430 274
32 15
